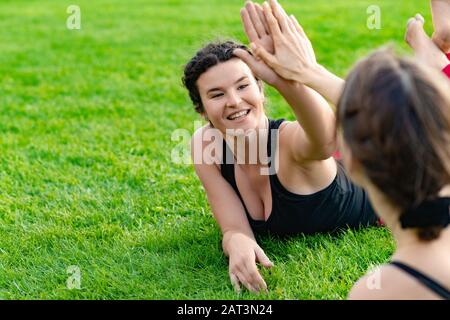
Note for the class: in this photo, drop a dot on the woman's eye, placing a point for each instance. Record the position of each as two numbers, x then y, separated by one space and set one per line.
217 95
243 86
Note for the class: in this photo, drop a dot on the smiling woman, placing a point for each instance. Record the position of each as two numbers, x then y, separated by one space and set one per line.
232 97
308 193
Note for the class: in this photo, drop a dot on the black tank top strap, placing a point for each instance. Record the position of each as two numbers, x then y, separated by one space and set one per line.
340 205
272 139
275 124
425 280
227 171
227 167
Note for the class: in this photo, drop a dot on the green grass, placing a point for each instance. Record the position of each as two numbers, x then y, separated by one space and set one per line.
85 139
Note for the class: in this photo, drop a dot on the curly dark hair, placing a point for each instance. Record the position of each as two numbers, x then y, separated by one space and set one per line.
207 57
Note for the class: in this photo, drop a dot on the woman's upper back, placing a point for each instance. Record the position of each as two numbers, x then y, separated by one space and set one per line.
416 273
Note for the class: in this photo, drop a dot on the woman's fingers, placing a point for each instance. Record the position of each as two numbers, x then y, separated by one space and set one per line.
253 275
249 60
242 278
247 274
254 16
251 282
262 53
274 28
298 27
235 282
280 15
262 258
260 12
303 37
258 282
248 26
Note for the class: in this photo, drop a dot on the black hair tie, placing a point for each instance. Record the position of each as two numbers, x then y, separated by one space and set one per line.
430 213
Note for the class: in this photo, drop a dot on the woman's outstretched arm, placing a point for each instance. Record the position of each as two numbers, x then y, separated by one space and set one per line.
314 131
292 57
238 241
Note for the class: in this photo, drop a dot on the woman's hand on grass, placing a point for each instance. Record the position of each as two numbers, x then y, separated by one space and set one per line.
243 253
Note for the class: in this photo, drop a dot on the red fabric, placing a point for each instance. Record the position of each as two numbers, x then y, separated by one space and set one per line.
448 56
446 70
337 155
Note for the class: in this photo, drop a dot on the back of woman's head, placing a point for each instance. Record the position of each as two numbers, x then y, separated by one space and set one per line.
395 118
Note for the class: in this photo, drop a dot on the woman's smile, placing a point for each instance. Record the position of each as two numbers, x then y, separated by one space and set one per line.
238 116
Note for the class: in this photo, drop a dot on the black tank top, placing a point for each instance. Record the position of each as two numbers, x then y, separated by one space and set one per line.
340 205
425 280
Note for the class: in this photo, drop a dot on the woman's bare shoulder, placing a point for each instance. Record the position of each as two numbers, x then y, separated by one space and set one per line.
379 283
387 282
202 138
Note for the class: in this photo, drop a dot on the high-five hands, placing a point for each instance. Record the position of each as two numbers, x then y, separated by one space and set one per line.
257 31
289 54
293 57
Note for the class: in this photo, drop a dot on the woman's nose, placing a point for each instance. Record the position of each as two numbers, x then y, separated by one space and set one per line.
233 99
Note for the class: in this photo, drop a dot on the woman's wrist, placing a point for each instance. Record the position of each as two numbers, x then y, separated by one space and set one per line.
324 82
228 237
282 84
313 76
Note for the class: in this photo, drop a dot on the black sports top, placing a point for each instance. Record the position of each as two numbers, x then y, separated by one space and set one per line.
425 280
340 205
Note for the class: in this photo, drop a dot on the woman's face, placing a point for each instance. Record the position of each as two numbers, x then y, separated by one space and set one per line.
231 97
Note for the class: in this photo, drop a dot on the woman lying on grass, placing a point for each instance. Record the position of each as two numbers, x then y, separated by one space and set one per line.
307 192
394 123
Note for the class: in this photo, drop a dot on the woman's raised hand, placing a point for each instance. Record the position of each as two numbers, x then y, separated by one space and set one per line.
256 28
293 57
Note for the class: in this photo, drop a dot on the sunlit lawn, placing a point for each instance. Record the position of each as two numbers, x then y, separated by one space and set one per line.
86 177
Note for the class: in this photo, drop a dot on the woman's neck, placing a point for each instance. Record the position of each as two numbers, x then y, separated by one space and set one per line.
250 148
406 239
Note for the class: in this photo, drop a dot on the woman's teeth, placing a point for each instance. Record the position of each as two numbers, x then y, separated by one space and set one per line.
237 115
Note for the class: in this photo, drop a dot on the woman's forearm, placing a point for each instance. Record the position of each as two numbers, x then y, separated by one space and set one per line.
313 114
325 83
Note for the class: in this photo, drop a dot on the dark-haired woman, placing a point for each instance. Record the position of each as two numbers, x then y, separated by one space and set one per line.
301 190
402 159
394 123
